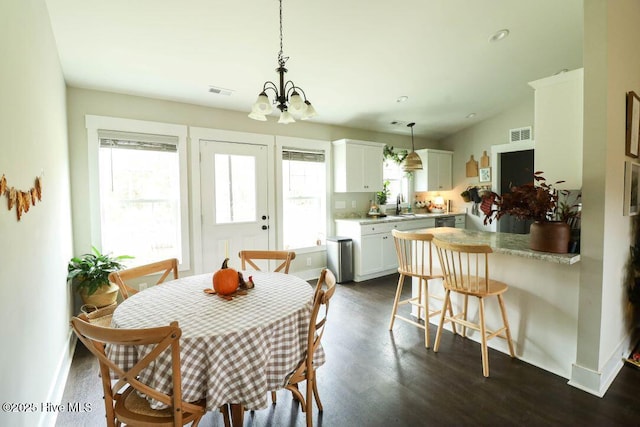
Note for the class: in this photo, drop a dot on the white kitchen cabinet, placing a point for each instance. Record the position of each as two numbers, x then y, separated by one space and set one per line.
558 118
357 166
461 221
436 171
374 252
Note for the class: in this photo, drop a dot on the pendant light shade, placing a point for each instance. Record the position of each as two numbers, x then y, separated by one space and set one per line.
412 162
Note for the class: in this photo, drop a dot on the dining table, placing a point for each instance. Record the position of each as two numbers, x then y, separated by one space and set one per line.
232 351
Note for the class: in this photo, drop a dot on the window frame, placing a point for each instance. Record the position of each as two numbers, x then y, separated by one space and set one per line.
93 124
302 144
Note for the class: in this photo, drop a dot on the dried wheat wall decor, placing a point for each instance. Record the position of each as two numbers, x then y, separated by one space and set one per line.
22 200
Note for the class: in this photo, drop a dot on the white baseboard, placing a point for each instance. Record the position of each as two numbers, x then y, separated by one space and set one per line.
598 382
56 391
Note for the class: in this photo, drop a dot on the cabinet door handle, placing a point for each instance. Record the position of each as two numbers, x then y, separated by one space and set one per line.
264 227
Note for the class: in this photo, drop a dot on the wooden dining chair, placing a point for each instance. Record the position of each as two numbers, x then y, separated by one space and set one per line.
123 403
166 267
99 316
325 288
414 252
466 272
249 258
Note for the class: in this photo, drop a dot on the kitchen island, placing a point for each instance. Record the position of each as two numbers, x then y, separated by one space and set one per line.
542 300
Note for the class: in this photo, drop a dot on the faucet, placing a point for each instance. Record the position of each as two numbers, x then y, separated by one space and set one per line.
398 201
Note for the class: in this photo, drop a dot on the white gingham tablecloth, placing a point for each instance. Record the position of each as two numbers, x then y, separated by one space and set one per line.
230 351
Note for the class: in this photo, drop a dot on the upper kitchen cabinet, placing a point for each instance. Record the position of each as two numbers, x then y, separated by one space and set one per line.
357 166
436 171
558 128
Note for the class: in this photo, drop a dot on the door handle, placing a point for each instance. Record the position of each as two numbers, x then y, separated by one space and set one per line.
264 227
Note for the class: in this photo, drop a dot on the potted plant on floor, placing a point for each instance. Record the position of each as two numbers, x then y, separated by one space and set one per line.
537 201
90 275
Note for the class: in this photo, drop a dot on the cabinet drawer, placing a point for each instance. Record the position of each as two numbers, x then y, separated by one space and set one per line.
418 224
461 221
382 227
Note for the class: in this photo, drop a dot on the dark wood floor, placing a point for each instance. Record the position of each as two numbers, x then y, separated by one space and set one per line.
376 378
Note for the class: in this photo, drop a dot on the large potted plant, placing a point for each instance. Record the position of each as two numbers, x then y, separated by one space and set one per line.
537 201
90 275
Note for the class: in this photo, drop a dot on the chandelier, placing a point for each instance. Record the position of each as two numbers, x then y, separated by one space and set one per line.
287 95
412 162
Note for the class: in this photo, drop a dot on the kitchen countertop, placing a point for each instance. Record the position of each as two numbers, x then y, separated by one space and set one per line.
395 218
505 243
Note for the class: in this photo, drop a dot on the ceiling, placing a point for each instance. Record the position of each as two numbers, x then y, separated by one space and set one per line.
352 58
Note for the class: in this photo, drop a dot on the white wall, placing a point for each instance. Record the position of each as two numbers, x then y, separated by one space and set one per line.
476 139
611 33
34 296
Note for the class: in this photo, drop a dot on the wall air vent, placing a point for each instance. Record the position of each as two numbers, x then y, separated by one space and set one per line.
220 91
520 134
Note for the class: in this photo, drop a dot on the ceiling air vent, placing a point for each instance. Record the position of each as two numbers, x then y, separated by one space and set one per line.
220 91
520 134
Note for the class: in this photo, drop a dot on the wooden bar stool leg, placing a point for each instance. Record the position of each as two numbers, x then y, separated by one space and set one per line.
464 315
483 336
425 285
503 310
453 324
420 303
395 301
447 302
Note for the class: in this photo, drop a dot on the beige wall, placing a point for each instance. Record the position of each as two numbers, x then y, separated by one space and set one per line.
81 102
34 296
476 139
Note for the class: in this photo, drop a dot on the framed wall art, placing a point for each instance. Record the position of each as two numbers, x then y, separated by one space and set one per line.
484 174
631 187
633 125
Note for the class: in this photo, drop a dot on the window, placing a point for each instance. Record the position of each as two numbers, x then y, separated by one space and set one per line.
138 189
235 182
303 198
398 182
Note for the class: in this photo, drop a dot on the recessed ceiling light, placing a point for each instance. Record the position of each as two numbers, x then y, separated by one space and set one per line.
498 35
470 115
402 98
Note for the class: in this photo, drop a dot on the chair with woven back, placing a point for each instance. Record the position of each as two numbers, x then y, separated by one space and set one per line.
249 258
120 278
123 403
466 272
414 252
325 288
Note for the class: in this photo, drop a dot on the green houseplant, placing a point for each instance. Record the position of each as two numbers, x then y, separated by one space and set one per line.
538 201
90 274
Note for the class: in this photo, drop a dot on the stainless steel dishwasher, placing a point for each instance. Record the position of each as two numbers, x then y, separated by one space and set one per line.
446 221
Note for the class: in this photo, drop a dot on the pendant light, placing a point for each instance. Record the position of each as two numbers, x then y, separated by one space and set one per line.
412 162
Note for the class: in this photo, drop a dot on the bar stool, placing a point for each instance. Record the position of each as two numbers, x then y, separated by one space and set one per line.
414 253
466 271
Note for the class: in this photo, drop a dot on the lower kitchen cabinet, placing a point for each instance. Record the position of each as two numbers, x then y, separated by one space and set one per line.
374 252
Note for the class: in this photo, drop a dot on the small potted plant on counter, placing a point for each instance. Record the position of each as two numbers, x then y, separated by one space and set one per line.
537 201
90 274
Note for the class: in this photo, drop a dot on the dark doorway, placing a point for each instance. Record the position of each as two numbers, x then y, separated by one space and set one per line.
516 168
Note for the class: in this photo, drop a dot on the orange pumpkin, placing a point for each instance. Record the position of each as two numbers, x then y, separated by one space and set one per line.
225 280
